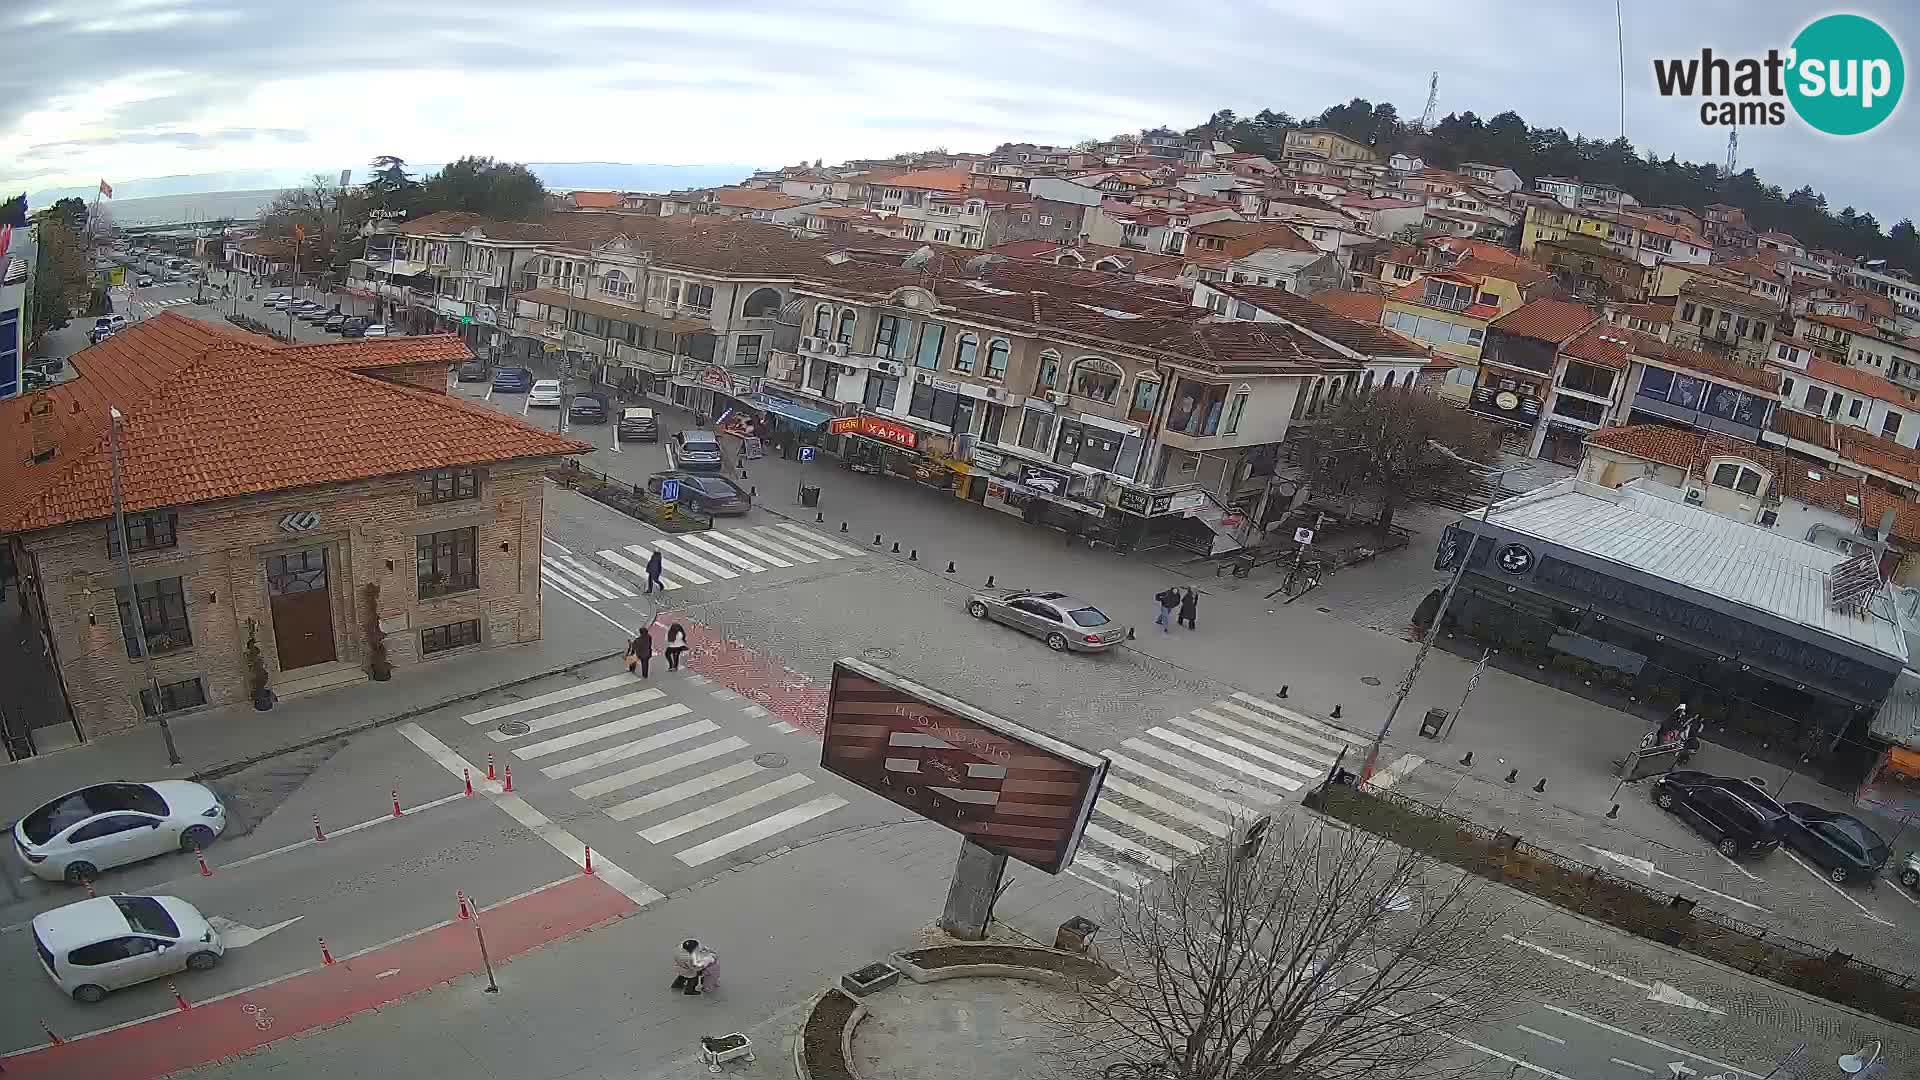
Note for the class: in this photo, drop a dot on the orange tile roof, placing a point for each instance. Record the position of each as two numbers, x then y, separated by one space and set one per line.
1608 346
1368 337
1546 320
925 180
1674 446
1708 364
1860 381
211 416
1803 428
367 353
1518 273
596 200
1365 306
754 199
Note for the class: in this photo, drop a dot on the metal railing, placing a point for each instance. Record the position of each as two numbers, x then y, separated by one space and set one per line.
635 502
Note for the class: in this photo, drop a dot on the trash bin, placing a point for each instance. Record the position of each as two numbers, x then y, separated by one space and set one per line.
809 496
1431 724
1075 934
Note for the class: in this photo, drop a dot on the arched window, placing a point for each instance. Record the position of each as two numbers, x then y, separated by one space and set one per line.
845 336
822 322
1049 374
1313 399
1096 379
997 358
1146 395
1390 377
761 304
615 283
964 354
1366 384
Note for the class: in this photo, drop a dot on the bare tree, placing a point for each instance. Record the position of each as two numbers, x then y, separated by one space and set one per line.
1381 440
1315 953
328 215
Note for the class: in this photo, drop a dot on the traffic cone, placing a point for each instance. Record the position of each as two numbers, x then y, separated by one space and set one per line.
589 868
51 1037
465 915
205 870
396 802
178 1000
489 765
318 836
509 784
326 955
466 775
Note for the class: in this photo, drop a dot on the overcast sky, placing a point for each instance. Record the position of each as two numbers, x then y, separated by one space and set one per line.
125 89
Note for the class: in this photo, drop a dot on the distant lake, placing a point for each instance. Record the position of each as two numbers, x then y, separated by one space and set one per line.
204 206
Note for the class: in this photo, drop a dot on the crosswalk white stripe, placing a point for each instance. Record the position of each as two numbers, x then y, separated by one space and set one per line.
686 789
760 830
582 712
595 734
586 762
796 542
1291 731
666 564
665 765
554 580
552 567
1119 875
748 549
776 543
1186 764
554 697
595 576
1314 754
557 545
1106 837
726 808
1174 783
1146 797
1396 772
817 539
1246 747
719 552
635 568
1266 776
1106 808
687 556
1304 720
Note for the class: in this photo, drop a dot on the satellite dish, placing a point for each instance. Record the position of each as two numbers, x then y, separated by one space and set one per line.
1852 1063
918 260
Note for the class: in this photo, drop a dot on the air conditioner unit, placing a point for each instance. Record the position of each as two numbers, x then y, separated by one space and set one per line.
993 393
890 367
1695 496
808 344
839 348
1058 397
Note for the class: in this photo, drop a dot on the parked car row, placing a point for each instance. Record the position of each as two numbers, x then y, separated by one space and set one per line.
1743 821
330 319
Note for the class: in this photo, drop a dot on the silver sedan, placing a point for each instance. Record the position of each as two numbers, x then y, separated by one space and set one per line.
96 828
1063 622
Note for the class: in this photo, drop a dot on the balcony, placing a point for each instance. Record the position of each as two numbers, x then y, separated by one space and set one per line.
786 369
652 360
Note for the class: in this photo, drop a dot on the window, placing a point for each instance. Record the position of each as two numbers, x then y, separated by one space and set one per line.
1036 431
1786 389
1239 406
881 390
163 615
1784 352
942 236
761 304
1587 379
935 406
964 353
1891 425
1049 375
933 336
1686 313
1816 399
1740 327
996 415
438 639
1759 329
446 562
1096 378
1025 218
699 296
615 283
1046 219
1489 299
1146 395
886 336
185 694
845 335
1449 295
997 358
746 351
449 485
1402 271
822 321
152 530
1853 410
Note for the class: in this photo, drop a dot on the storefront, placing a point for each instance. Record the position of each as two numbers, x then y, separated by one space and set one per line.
1148 519
1047 495
713 391
791 423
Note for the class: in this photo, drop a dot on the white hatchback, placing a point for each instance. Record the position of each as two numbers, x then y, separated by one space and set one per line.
110 942
83 832
376 330
545 393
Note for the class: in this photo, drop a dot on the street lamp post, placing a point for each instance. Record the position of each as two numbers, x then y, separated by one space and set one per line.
133 598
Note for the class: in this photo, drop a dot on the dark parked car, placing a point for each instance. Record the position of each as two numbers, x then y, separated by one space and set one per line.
1843 845
706 494
638 424
335 322
354 327
587 408
512 380
474 371
1736 815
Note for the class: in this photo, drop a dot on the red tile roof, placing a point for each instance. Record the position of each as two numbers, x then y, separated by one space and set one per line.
1546 320
754 199
367 353
1858 380
925 180
596 200
211 416
1364 306
1366 338
1247 237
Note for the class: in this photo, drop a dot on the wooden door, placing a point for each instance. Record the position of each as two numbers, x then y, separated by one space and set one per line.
302 608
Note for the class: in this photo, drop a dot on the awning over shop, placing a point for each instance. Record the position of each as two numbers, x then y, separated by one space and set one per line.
799 414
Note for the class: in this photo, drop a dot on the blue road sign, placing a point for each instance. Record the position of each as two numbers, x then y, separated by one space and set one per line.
670 490
806 454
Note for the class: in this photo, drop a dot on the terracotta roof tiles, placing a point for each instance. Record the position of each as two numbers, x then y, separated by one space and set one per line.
1556 321
1364 306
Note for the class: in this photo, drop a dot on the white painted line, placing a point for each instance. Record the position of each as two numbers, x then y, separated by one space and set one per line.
1146 797
1828 882
674 763
571 592
754 710
719 552
1537 1033
1107 838
746 549
589 762
1395 772
674 550
1304 720
1576 962
625 630
1292 731
1172 783
686 789
760 830
1306 769
1107 809
783 727
1604 1026
1114 872
818 539
517 808
406 811
583 712
726 808
799 540
775 542
636 569
598 578
1631 1065
1751 876
1902 891
1318 756
387 974
556 566
601 731
679 572
1520 1063
553 697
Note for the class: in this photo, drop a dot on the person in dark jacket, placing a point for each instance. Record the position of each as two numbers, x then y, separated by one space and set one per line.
676 646
1189 607
639 651
1168 599
654 569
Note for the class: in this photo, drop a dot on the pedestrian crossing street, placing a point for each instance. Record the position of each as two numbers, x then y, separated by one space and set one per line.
1188 782
681 780
688 559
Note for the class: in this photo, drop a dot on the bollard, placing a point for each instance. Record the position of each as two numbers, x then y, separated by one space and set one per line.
1613 813
178 1001
949 566
326 956
1130 633
896 547
466 776
396 802
989 581
509 784
914 555
205 870
461 898
876 539
1283 691
1336 711
753 491
589 866
1512 775
1541 786
490 765
843 526
318 836
1468 760
819 518
51 1037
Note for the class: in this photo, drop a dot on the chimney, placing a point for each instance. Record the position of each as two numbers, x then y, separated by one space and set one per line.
40 425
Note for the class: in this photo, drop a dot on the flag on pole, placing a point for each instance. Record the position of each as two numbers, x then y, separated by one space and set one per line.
299 234
106 189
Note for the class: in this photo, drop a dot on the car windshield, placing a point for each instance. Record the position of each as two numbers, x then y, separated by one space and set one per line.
43 824
146 915
1087 616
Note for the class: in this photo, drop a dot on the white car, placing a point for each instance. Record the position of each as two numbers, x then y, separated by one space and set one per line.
545 393
376 330
83 832
110 942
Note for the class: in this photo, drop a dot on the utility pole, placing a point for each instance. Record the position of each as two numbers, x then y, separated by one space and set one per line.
133 597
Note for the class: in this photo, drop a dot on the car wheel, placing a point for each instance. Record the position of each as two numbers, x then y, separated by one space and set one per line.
1729 847
1839 874
1664 800
977 609
89 994
202 961
79 873
1910 878
196 838
1057 641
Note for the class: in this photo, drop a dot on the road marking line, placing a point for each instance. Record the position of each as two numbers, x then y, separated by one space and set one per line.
311 842
1315 755
760 830
1631 1065
582 712
783 727
1145 797
636 569
1395 772
686 789
554 568
725 695
1114 872
571 592
844 550
673 763
679 555
679 572
726 808
719 552
1311 772
1106 837
1294 731
1828 882
754 710
624 751
599 578
1174 783
740 545
1105 808
601 731
1541 1034
1304 720
555 543
1603 1025
776 542
553 697
516 807
1751 876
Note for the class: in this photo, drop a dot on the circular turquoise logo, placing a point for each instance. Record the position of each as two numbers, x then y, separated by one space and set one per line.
1847 74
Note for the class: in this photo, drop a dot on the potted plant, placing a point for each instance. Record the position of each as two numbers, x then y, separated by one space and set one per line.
377 665
263 696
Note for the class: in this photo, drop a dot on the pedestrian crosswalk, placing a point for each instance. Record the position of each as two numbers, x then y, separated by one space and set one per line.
683 782
689 559
152 306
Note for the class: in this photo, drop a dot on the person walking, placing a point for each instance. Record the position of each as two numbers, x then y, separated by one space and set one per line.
1189 607
676 646
691 962
1168 599
655 567
639 651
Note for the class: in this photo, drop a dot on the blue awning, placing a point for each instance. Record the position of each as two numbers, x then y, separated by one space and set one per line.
799 414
